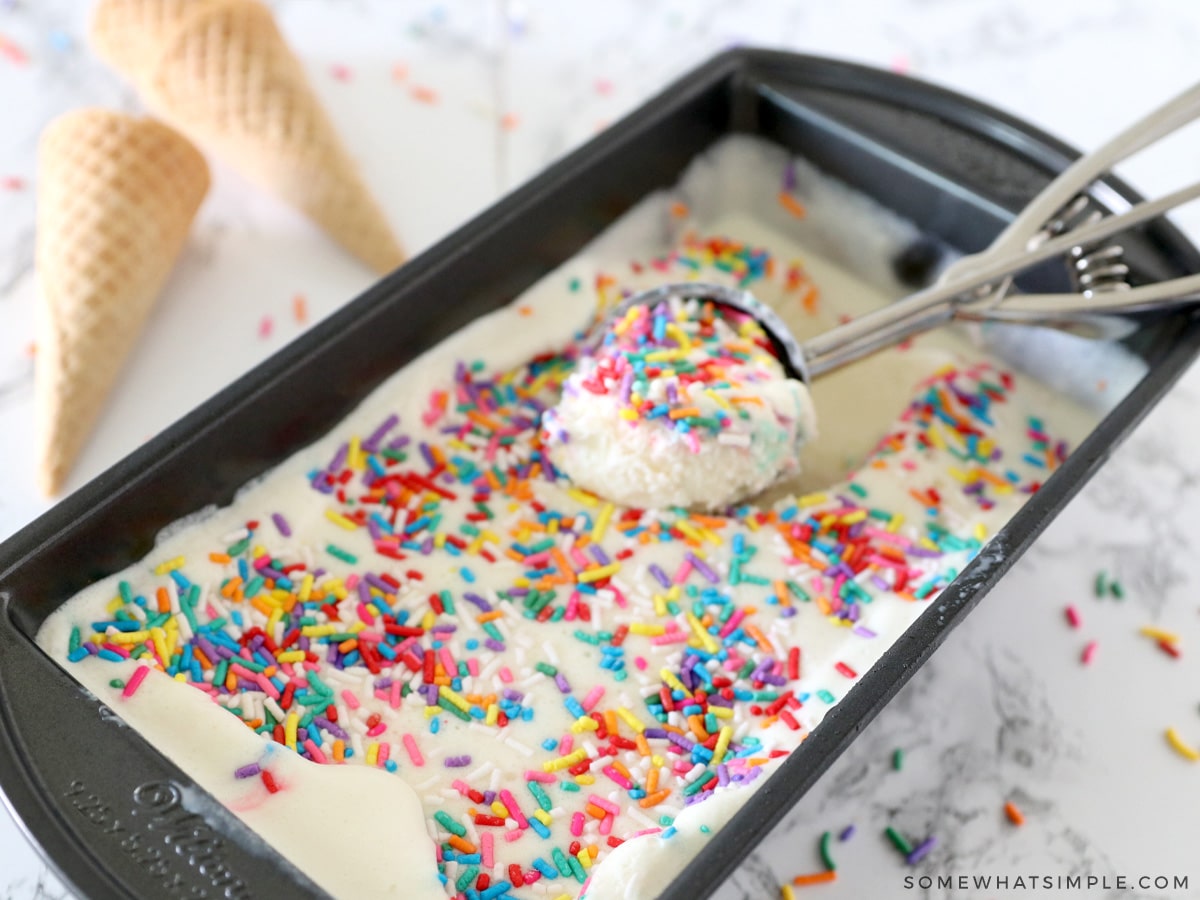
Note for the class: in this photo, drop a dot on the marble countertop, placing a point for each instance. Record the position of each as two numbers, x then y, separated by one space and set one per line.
451 104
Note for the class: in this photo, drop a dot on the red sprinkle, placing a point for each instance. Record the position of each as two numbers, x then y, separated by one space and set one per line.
1073 616
1167 647
269 780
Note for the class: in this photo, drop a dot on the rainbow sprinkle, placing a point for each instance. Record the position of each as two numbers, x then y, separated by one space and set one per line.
382 646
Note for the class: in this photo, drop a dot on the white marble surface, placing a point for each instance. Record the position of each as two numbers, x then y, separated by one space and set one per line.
450 104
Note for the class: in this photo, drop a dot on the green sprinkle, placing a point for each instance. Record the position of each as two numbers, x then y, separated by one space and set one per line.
449 824
1101 583
897 759
573 285
339 553
466 878
569 786
560 862
76 641
1116 590
116 683
704 829
898 840
826 856
857 489
540 795
239 548
546 669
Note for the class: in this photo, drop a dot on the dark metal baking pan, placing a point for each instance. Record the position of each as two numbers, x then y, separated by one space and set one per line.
108 810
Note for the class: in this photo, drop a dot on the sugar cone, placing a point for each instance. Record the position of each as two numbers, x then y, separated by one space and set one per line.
221 72
116 196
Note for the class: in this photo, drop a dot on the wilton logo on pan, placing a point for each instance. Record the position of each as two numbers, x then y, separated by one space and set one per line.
162 817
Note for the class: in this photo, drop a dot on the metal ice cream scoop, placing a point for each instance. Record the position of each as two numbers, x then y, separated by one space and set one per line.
975 288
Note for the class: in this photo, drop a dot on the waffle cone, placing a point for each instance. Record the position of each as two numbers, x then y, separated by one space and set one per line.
116 196
221 72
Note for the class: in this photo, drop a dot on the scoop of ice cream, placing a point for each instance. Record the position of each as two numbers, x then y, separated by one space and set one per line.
681 404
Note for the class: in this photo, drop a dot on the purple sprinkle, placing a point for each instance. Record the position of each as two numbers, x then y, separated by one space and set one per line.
847 833
563 685
247 771
488 797
652 734
282 524
514 695
863 631
457 762
789 176
702 567
371 444
339 460
788 611
332 727
428 455
601 557
920 851
659 575
482 604
493 644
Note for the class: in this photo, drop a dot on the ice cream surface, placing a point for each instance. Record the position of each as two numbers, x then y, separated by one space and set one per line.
419 638
682 404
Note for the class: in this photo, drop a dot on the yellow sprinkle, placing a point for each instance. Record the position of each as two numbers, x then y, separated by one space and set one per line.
431 711
273 620
660 607
493 714
585 858
114 604
157 635
318 630
854 517
565 762
1184 750
718 399
1159 634
812 499
584 723
585 779
723 739
936 439
980 532
290 725
706 640
646 629
721 712
657 760
895 522
439 540
958 474
354 455
454 697
628 413
169 566
290 656
583 497
500 809
786 892
341 521
126 637
372 754
542 816
602 521
428 620
689 529
589 575
630 719
669 677
306 586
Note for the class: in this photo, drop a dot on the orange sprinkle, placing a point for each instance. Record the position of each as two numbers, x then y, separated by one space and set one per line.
811 299
652 780
509 121
219 558
679 210
399 72
792 205
489 616
164 600
525 310
594 811
684 412
1014 814
654 799
815 878
423 94
460 844
300 309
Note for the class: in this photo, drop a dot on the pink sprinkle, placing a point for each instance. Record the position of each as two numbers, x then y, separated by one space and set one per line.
565 745
604 87
12 183
486 842
540 777
606 805
640 662
1073 616
315 752
351 699
606 825
135 681
901 64
593 697
506 675
12 52
473 666
1089 652
513 835
385 750
394 699
414 752
514 810
352 581
577 824
617 778
340 72
265 327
